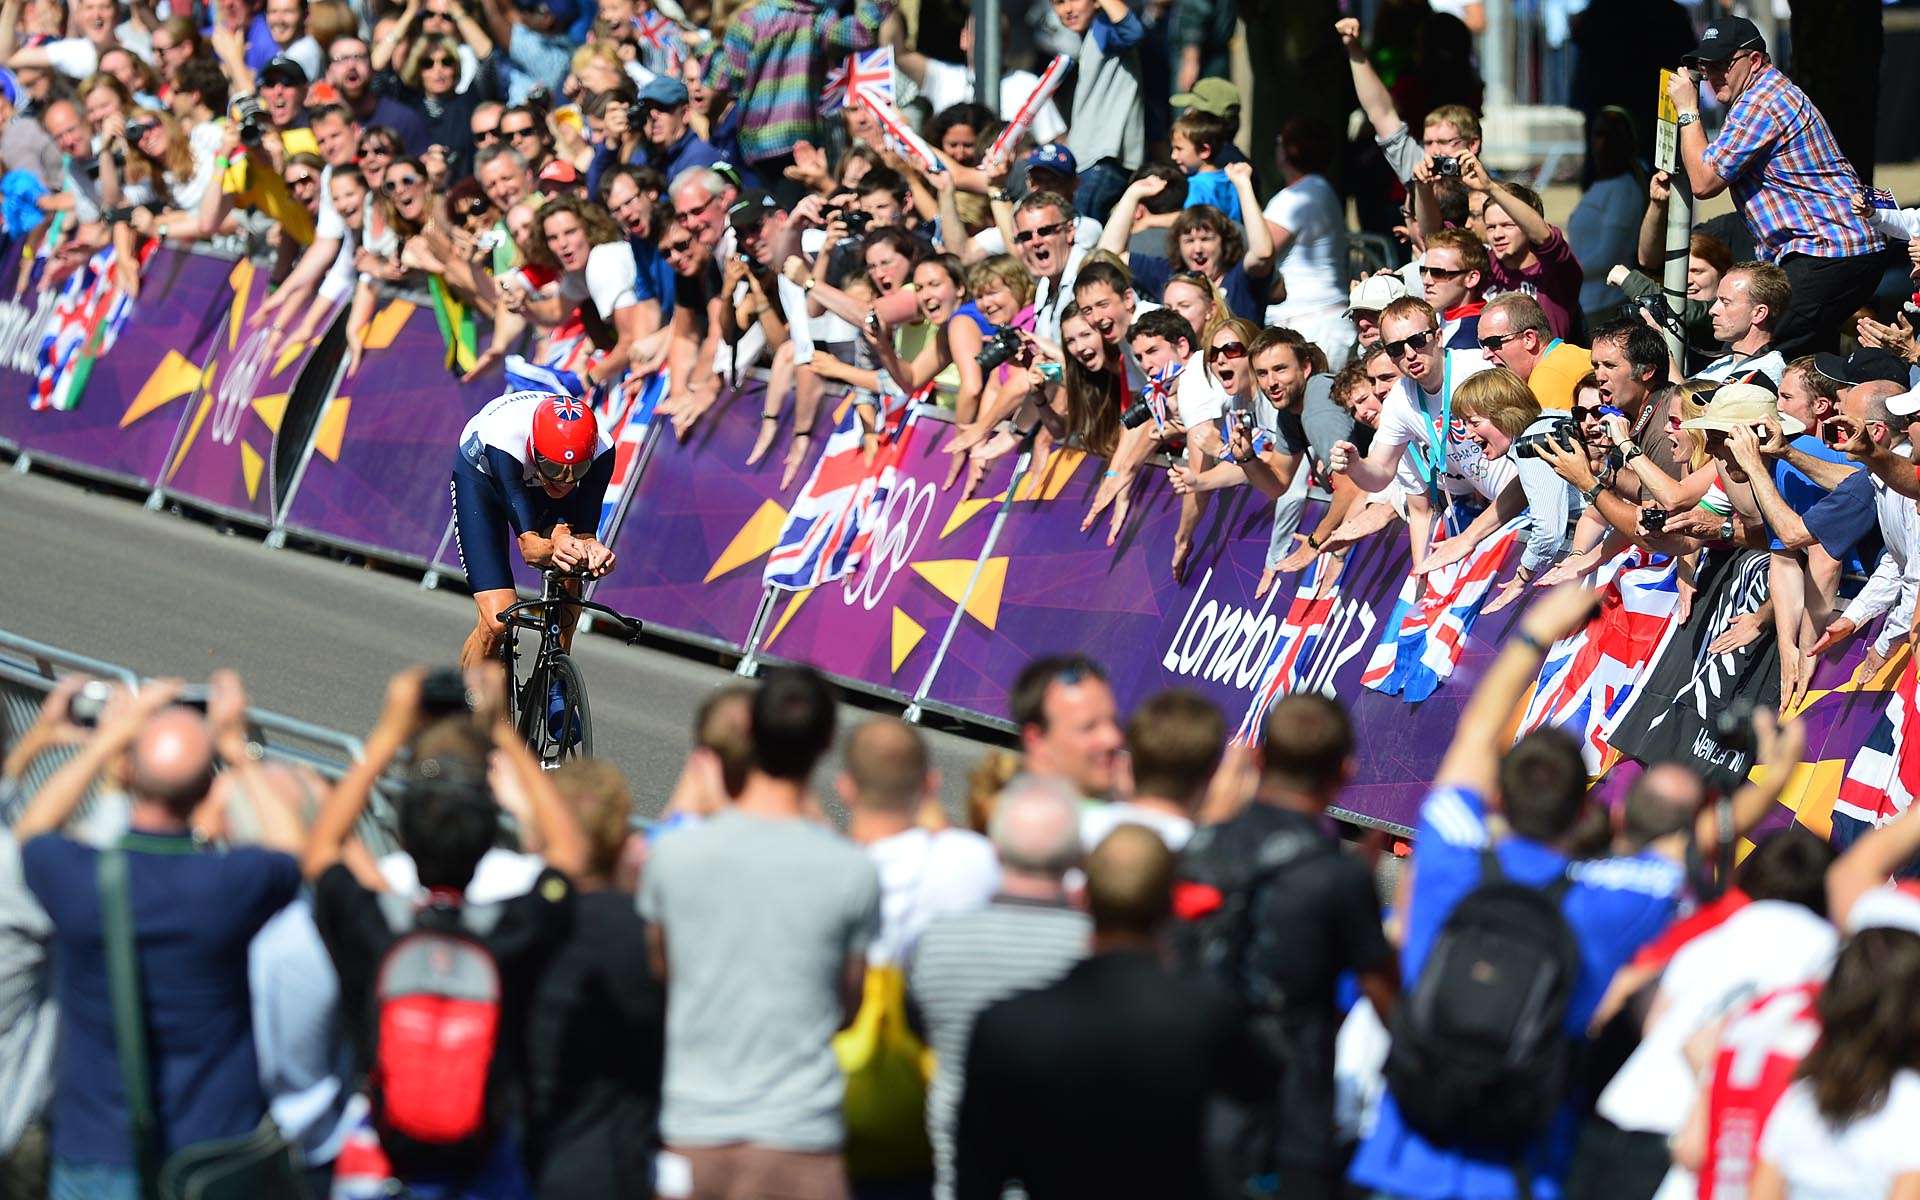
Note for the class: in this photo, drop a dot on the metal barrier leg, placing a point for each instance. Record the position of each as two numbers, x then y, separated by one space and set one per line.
23 464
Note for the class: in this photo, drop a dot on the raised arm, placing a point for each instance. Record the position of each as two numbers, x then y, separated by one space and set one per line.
1473 173
1375 100
399 718
120 724
1260 248
1119 228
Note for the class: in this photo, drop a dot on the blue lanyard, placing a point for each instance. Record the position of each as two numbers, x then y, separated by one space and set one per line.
1436 454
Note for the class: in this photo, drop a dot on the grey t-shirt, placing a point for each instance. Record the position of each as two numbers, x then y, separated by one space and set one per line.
25 146
27 1013
760 916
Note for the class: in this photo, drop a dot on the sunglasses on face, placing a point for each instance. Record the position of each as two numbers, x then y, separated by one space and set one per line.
1227 350
302 181
440 60
517 134
1493 341
1416 341
554 472
373 149
1044 231
1427 272
394 183
679 247
486 137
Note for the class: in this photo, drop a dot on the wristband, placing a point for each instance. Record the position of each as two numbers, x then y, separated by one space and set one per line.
1529 641
1314 541
1629 452
1111 475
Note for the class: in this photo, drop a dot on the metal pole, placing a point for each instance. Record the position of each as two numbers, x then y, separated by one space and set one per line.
986 53
1496 53
1673 276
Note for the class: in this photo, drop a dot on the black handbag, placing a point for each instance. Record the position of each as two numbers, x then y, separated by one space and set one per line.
256 1166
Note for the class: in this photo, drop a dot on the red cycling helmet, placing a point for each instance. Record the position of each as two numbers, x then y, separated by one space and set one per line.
563 439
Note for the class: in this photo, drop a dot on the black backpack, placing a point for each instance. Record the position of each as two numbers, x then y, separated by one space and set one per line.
1480 1056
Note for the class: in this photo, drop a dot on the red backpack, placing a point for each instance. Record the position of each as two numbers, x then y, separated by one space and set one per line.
437 1007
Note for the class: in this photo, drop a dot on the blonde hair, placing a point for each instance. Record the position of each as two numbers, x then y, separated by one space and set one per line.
600 798
1500 396
1006 271
985 782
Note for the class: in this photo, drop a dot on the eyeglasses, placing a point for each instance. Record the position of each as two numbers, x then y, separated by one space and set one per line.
1227 350
394 183
1416 341
302 180
350 56
554 472
1427 272
1493 341
1045 231
485 137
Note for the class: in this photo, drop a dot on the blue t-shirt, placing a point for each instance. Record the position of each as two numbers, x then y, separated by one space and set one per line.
194 916
1615 906
654 279
1845 518
1213 187
1802 493
1151 272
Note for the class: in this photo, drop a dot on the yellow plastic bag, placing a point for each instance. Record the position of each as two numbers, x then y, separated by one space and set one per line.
887 1070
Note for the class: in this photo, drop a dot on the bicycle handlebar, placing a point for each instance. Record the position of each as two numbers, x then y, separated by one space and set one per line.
516 614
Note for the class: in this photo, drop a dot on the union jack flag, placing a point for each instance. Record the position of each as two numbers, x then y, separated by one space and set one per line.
1297 644
1590 675
1432 634
869 74
1162 386
1884 776
633 426
85 323
831 521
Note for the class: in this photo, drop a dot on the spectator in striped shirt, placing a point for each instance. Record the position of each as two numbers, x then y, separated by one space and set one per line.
1027 937
774 62
1790 181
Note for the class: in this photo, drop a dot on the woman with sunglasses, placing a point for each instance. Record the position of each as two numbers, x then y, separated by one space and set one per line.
1205 240
352 199
429 83
379 146
531 468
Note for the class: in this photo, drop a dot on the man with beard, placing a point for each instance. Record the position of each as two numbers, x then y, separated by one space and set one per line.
350 71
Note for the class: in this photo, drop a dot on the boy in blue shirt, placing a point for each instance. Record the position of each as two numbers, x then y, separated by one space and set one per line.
1197 141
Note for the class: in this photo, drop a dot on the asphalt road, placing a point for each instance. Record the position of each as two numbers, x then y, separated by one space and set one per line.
313 637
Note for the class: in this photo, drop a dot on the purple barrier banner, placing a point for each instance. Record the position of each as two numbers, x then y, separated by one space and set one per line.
695 539
881 625
376 476
227 456
125 401
1061 591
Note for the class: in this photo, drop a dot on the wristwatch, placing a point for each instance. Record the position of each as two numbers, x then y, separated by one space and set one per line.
999 195
1726 530
1629 452
1685 119
1592 494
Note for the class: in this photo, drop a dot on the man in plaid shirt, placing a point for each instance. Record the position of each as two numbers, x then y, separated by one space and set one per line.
1789 179
775 61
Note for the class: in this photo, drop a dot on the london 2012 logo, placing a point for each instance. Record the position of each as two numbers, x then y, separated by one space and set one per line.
897 529
238 382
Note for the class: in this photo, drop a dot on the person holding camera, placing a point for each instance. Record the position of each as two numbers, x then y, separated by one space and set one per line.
188 918
1504 417
668 143
1528 254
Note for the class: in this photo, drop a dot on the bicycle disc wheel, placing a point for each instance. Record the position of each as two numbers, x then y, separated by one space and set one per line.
573 737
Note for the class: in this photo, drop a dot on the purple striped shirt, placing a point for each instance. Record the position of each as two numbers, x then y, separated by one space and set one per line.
775 61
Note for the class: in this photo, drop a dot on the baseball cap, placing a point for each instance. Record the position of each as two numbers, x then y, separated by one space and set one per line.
753 207
9 86
664 91
1375 292
1739 404
1210 95
1894 906
1053 157
1865 365
1726 37
282 69
1906 404
558 176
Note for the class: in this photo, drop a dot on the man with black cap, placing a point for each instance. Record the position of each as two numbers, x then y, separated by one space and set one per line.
1790 181
668 142
754 321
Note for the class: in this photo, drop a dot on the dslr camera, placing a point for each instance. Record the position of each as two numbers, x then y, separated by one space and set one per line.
251 118
1563 432
1656 305
999 349
1136 415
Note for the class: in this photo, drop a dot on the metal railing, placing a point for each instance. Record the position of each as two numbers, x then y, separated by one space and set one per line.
29 670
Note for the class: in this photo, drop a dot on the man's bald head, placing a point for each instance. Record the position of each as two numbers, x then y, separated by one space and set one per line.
1868 402
171 763
1130 882
1664 800
887 766
1036 827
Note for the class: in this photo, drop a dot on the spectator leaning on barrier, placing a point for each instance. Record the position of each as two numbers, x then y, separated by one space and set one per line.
760 925
1027 936
1790 180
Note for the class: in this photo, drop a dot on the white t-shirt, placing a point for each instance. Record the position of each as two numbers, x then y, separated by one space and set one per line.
1771 364
1086 235
328 223
609 278
1407 421
1862 1159
947 84
1768 945
1047 302
505 424
1200 397
925 875
1099 820
1315 264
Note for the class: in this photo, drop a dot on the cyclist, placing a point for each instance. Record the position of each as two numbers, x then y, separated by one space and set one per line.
537 464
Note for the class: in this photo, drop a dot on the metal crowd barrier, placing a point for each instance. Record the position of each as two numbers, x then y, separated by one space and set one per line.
29 670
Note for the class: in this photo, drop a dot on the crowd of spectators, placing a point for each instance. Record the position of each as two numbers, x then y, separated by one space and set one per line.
627 187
